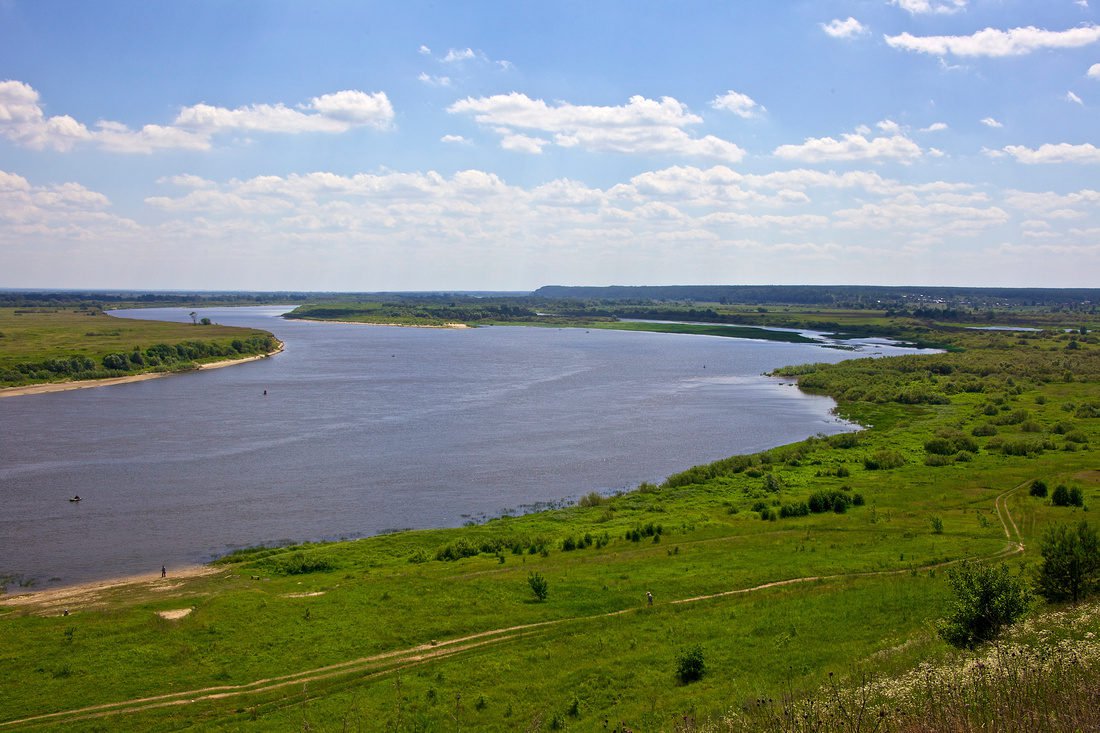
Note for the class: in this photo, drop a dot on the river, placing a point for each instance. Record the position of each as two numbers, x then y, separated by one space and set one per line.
367 429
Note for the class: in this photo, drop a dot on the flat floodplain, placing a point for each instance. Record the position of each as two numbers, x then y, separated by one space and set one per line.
438 628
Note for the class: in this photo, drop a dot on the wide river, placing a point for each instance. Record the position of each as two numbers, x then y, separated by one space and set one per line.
366 429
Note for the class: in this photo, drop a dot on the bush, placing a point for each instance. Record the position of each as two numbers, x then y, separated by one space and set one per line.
690 665
539 586
984 430
883 460
1064 496
300 564
1038 488
986 600
1071 563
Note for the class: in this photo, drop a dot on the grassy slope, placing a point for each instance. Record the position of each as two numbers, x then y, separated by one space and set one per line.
37 334
876 613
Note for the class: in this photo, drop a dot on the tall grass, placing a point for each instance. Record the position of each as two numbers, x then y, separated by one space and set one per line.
1045 677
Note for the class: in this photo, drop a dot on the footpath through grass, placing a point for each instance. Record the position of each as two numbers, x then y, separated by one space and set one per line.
440 629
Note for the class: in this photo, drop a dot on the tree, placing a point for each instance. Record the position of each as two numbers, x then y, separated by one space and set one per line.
986 599
1071 563
193 315
539 586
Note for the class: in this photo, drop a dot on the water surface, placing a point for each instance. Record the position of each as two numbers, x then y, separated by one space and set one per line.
366 429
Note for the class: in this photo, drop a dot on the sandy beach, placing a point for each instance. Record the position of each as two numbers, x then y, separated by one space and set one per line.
395 325
87 383
55 601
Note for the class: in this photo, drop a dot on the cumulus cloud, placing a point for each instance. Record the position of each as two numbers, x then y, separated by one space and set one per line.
849 28
935 127
893 145
424 50
741 105
1086 153
925 7
990 122
642 126
65 211
23 120
995 43
1093 72
454 139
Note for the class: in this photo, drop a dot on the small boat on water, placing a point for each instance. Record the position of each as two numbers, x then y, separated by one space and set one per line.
75 499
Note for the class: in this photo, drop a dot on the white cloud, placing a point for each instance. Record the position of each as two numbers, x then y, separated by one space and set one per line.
435 81
1055 153
523 143
996 43
849 28
22 120
642 126
455 55
935 127
1093 72
424 50
990 122
854 146
454 139
741 105
1071 97
1082 3
925 7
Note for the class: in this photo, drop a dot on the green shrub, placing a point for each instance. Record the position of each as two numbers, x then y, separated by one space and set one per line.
986 599
690 664
1038 488
539 586
882 460
299 563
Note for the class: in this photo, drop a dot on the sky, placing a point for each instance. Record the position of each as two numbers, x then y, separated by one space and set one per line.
368 146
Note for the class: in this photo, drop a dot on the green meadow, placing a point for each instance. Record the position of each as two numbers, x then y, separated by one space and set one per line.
813 564
53 344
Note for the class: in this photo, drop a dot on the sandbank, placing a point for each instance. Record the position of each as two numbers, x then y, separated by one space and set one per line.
86 383
372 323
55 601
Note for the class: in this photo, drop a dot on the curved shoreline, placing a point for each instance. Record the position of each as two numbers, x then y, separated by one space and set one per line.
51 387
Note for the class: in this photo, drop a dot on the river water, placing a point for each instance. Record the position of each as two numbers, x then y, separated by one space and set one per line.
366 429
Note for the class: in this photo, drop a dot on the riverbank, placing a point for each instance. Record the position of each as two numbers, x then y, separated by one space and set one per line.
372 323
56 601
51 387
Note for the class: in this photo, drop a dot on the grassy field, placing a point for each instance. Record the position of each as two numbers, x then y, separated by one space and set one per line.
39 345
440 630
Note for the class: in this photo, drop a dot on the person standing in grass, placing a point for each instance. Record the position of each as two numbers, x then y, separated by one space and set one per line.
649 598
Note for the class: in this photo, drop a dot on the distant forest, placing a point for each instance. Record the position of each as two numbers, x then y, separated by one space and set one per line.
875 297
896 300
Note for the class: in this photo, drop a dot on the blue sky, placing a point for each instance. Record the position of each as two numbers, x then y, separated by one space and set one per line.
491 145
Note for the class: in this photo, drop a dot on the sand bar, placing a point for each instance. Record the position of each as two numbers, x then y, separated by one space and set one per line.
86 383
395 325
50 601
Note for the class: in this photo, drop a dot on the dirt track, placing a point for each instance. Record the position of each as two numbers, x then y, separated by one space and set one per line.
386 662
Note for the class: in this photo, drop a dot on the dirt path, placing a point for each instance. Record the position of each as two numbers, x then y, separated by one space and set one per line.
386 662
